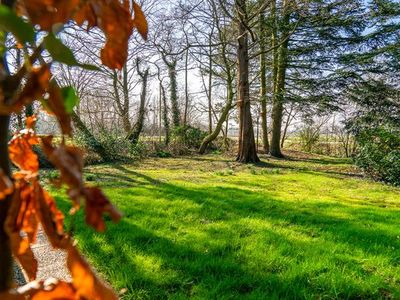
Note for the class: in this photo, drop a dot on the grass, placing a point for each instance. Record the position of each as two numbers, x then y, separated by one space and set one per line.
208 228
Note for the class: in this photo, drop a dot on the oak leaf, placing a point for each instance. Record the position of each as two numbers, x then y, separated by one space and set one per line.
96 205
20 245
34 88
86 283
21 152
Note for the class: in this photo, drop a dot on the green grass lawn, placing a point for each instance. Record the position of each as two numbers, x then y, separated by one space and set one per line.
208 228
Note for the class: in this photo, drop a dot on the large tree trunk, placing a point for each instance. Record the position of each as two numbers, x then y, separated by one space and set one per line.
176 115
165 114
279 87
5 251
137 129
93 143
225 112
210 65
122 105
186 89
247 151
263 83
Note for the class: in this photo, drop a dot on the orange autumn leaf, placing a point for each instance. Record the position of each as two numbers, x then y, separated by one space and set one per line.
68 159
21 152
140 21
117 25
51 218
111 16
34 88
6 185
42 290
96 205
86 283
58 291
30 122
20 245
27 219
46 13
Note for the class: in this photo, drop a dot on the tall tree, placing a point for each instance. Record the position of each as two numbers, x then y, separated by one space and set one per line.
247 151
136 130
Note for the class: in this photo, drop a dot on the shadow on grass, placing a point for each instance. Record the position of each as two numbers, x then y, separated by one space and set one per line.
217 265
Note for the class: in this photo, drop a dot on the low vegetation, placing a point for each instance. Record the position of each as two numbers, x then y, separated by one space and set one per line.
308 227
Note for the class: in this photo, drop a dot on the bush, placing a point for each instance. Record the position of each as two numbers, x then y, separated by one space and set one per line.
379 153
309 137
189 136
185 139
222 144
115 144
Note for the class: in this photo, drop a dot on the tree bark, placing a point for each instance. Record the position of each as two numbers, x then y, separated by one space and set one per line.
93 143
176 115
186 89
228 105
289 120
247 151
279 87
137 129
263 83
123 106
165 114
210 120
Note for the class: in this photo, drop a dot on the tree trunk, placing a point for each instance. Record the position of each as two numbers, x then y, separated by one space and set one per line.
289 120
210 120
176 115
123 107
209 138
263 84
165 114
92 142
186 89
5 251
247 151
137 129
279 87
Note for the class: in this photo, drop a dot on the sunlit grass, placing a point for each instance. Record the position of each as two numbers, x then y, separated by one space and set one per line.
208 228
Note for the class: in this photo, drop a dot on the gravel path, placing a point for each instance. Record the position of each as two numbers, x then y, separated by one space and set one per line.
51 263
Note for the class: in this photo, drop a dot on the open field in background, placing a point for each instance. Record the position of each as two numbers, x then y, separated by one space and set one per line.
205 227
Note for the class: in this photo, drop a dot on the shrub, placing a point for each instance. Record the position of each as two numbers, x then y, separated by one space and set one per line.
379 153
189 136
115 144
309 137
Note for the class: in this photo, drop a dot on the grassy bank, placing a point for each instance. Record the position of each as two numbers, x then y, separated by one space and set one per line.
208 228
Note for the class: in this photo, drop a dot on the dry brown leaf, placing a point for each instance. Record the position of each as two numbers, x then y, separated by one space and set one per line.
34 88
46 13
117 25
96 205
68 160
140 21
21 153
20 246
58 291
51 218
86 283
42 290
